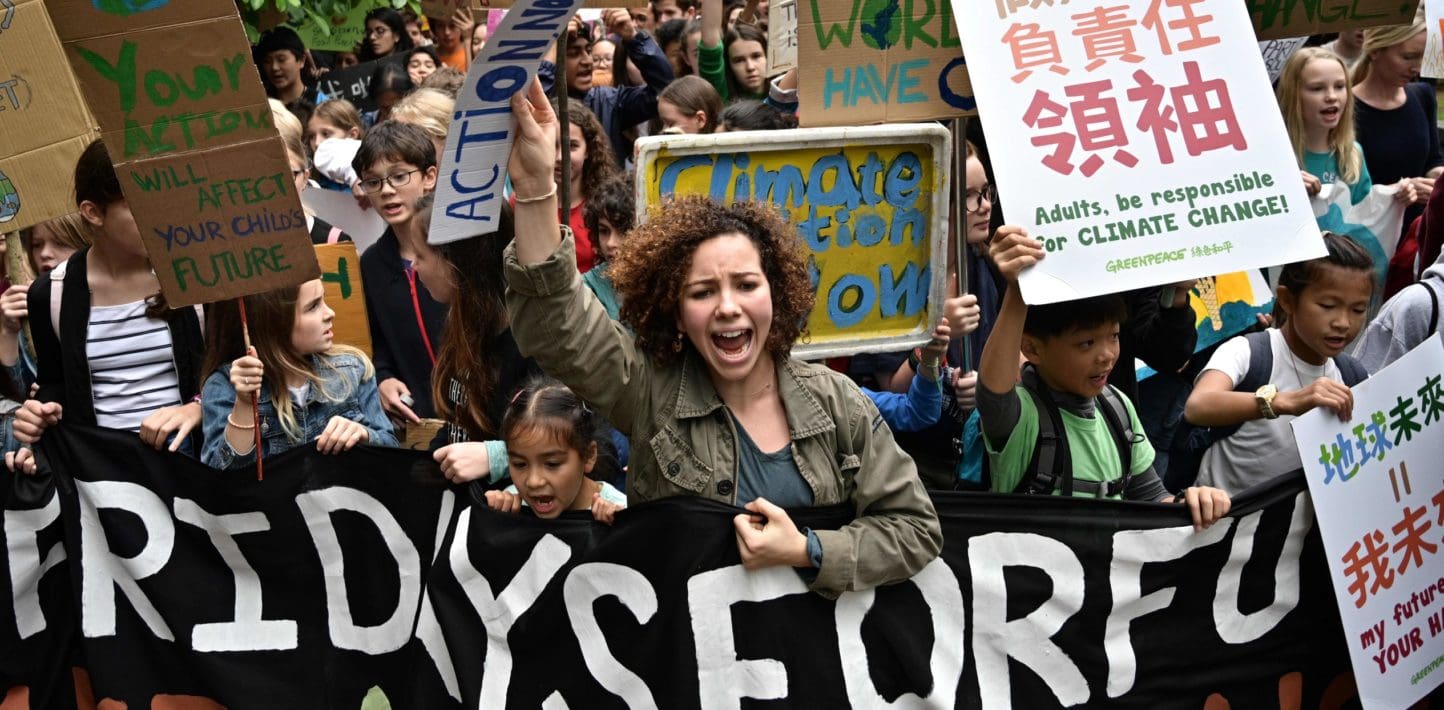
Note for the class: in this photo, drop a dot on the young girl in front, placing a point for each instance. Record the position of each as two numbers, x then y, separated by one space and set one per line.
1324 301
309 387
558 453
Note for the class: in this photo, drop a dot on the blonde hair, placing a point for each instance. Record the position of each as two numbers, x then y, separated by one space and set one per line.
428 109
290 129
340 113
1341 137
1380 38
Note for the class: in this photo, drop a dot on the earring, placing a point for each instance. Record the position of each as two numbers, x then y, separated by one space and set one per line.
677 344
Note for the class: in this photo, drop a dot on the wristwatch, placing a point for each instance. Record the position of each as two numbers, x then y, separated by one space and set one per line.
1265 398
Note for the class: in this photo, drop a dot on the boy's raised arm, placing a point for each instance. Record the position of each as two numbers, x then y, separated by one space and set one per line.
1013 250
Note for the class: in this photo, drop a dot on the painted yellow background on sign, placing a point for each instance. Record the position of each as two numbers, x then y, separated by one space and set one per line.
857 281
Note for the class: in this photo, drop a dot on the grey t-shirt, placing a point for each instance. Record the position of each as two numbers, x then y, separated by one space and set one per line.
773 476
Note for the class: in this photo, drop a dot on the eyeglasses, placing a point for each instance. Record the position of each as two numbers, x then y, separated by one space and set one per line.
395 180
378 31
973 199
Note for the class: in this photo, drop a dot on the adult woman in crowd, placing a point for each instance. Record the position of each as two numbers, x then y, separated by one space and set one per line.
716 296
385 35
1395 115
127 361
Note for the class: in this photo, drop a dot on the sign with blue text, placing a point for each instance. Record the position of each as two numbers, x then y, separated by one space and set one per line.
473 167
1383 525
870 203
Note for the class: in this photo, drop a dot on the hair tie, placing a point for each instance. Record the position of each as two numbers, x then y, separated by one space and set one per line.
516 396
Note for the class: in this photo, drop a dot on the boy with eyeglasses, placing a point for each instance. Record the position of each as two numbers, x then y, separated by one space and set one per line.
395 166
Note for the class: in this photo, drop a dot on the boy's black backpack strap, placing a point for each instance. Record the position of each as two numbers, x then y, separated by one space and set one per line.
1051 460
1110 406
1350 369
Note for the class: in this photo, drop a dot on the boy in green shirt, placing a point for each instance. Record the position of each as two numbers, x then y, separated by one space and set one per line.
1070 348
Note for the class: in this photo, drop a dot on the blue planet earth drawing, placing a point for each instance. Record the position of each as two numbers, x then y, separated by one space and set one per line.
128 7
9 199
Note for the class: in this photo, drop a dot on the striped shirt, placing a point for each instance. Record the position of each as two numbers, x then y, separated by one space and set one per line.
132 365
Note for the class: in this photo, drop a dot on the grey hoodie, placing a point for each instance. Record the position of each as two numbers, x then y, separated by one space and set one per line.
1403 323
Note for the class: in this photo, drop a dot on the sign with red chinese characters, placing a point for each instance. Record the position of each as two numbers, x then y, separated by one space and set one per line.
1143 141
1380 503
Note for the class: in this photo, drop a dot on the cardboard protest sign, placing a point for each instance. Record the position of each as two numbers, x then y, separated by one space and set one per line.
341 277
43 122
876 61
444 9
1276 19
473 168
187 125
1376 486
1147 143
781 36
342 33
871 204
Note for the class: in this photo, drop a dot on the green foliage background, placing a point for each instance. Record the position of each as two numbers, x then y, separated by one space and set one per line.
255 13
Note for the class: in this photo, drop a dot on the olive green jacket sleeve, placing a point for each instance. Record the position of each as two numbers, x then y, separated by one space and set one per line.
562 325
895 533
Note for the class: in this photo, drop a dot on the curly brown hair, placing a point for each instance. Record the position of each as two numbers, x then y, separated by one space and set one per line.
649 274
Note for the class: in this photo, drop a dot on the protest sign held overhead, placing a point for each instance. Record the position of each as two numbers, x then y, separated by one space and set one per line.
43 121
1376 486
341 33
1147 145
864 61
1277 19
187 125
473 167
870 203
781 36
354 83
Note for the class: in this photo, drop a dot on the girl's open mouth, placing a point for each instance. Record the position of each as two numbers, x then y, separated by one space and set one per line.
733 344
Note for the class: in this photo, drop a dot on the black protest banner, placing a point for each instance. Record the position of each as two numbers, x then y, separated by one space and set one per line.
300 590
353 83
37 623
336 577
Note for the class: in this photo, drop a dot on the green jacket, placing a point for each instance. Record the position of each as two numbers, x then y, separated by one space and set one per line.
684 443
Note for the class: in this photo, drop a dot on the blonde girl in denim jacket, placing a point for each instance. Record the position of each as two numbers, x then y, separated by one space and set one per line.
309 387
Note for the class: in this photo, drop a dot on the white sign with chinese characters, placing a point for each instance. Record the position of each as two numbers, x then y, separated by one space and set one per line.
1380 503
1144 142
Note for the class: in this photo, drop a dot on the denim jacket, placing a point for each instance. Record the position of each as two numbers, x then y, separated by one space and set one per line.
360 402
684 442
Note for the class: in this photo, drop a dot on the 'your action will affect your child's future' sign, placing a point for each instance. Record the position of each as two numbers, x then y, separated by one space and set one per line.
187 125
